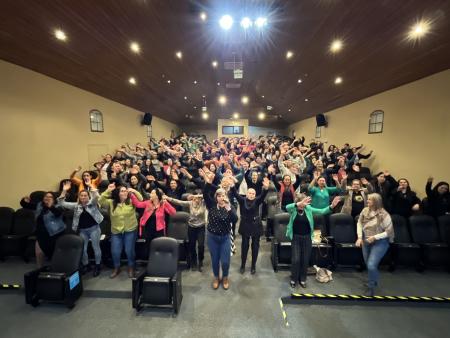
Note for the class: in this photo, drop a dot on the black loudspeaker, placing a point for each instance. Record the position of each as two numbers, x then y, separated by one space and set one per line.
321 120
147 119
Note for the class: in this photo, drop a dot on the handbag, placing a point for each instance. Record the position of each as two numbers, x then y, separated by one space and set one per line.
323 275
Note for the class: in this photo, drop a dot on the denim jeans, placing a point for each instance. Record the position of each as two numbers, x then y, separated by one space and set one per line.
220 250
93 233
127 240
373 253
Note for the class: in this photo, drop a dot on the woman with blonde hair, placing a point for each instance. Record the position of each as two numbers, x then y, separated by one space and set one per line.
375 231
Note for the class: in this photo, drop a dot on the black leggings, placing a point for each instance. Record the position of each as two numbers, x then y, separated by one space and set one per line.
301 253
196 235
244 249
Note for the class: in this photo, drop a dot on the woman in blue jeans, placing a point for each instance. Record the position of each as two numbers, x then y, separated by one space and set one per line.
220 217
86 219
375 232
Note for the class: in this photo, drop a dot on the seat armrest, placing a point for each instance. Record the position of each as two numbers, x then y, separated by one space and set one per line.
30 281
136 287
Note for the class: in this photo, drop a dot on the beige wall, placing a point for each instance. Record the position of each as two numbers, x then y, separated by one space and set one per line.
232 122
415 141
45 132
210 133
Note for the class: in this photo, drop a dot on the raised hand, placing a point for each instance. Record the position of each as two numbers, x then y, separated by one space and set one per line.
316 175
344 175
304 202
266 183
430 179
67 185
111 187
78 168
335 202
335 177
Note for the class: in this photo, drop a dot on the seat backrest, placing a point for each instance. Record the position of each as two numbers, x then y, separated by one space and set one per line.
424 229
280 222
178 226
272 206
400 229
319 223
444 228
6 220
342 228
24 222
37 196
163 258
67 255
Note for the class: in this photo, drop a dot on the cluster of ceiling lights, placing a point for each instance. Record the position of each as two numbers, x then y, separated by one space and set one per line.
416 32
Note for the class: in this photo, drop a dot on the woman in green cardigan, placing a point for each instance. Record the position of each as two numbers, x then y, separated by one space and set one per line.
300 231
123 225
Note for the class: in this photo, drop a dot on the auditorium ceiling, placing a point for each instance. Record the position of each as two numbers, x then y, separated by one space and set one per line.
299 59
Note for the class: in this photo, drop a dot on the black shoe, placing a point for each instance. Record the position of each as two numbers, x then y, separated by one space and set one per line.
97 269
200 267
85 269
293 284
303 285
268 239
242 269
253 270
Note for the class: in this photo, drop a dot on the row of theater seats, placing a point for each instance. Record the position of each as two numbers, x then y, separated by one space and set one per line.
419 242
159 284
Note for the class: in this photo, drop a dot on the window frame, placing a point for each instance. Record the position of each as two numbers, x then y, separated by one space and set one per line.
318 133
234 128
96 124
376 124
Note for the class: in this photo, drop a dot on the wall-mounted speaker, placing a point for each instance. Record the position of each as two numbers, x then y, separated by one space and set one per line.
147 119
321 120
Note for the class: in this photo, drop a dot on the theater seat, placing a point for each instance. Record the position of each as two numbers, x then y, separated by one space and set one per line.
343 235
404 251
444 228
61 281
178 229
425 232
160 283
6 223
281 245
272 210
15 243
184 197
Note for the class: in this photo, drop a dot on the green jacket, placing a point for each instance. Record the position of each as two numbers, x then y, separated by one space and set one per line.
309 211
123 219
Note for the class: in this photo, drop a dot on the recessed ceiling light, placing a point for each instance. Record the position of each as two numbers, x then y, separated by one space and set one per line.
246 23
338 80
306 100
289 54
60 35
195 107
218 83
244 99
203 96
179 54
226 22
195 82
289 109
132 81
203 16
261 115
299 81
262 96
185 97
222 100
168 81
135 48
235 115
260 22
419 30
336 46
205 115
214 64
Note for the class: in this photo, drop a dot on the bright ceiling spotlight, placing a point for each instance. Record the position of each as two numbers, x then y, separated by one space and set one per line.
132 81
222 100
244 99
289 54
205 115
261 22
336 46
299 81
195 82
135 48
60 35
261 116
168 81
185 97
419 30
338 80
226 22
203 16
214 64
235 115
179 54
246 23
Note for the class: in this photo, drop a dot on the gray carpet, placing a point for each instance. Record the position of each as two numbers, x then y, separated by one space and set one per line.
249 309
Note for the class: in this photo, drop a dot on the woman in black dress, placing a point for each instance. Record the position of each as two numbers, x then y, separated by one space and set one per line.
49 225
250 226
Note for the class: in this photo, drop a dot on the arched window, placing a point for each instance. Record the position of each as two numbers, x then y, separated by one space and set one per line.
318 132
96 120
376 122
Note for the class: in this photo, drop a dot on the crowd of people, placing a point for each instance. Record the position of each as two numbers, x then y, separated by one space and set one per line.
144 185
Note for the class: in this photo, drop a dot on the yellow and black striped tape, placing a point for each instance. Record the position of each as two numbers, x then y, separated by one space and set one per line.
9 286
374 298
283 312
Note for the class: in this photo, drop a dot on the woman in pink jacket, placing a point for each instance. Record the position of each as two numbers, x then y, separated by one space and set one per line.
154 221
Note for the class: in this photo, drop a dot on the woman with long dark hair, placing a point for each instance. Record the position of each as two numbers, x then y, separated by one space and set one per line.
404 200
438 198
123 225
49 225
